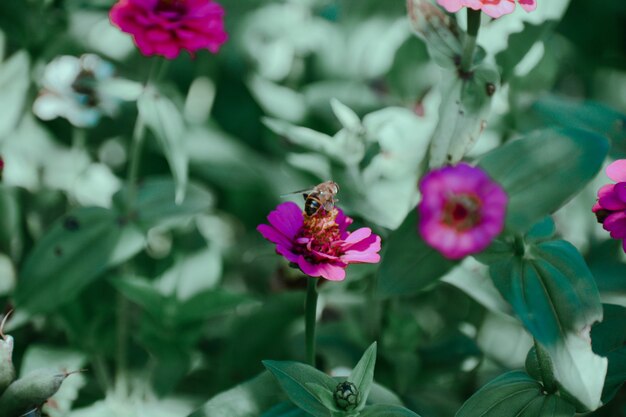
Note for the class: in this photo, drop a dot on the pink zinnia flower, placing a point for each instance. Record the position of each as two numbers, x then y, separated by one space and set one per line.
494 8
320 244
462 210
165 27
610 209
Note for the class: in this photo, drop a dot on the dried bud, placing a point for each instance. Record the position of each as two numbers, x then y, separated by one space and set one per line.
30 392
347 396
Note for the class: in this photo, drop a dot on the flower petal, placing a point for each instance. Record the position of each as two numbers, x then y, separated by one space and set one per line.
611 201
273 235
616 225
287 218
325 270
528 5
617 170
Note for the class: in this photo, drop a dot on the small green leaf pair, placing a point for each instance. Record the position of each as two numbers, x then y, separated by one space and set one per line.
323 396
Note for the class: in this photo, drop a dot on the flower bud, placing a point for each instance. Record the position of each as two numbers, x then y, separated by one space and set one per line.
7 370
347 396
30 392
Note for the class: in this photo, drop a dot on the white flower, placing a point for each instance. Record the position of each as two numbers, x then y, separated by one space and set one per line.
74 88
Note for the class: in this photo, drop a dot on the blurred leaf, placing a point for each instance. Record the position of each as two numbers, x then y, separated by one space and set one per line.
249 399
438 30
294 378
208 304
535 183
155 202
10 222
346 116
519 45
73 253
166 122
386 411
142 293
587 115
409 265
286 409
14 84
609 339
463 113
278 101
515 394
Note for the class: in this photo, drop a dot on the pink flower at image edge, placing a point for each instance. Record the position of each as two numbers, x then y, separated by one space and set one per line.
494 8
462 210
165 27
320 245
610 209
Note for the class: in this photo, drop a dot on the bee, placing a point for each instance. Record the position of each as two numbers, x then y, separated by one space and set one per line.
322 195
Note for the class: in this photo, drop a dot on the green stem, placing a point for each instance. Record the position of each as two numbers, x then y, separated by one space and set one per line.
122 345
310 317
139 132
469 46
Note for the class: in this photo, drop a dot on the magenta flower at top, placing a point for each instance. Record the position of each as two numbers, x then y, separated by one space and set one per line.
494 8
610 209
462 210
320 244
165 27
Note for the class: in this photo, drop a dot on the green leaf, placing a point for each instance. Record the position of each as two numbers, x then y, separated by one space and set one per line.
515 394
346 116
363 374
438 30
383 410
554 294
207 304
609 339
463 113
294 378
586 115
286 409
534 182
166 122
73 253
324 395
14 84
551 290
409 265
249 399
155 202
277 100
142 293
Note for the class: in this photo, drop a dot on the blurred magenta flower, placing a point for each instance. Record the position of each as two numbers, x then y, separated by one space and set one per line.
494 8
165 27
462 210
610 209
320 245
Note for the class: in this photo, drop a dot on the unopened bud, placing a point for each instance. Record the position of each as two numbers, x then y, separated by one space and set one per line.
347 396
30 391
7 369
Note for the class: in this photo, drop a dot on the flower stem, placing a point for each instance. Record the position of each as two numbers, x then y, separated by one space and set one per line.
139 133
310 317
121 381
469 46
